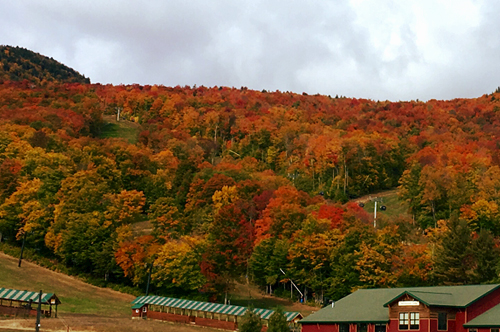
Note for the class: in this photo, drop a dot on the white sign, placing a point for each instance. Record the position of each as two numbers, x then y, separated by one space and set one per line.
408 303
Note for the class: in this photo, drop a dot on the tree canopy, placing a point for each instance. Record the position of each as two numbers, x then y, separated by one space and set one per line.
225 183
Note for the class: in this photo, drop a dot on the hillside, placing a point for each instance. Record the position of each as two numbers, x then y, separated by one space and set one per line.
204 186
84 307
17 64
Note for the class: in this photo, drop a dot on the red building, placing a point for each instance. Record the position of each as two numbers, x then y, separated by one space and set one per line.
15 302
473 308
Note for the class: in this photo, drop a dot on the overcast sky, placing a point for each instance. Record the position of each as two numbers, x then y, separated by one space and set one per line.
377 49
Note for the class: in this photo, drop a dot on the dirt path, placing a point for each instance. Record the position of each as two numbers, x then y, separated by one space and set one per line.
367 198
98 324
251 293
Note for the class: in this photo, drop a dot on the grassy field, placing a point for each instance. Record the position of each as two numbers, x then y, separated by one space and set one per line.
76 296
389 199
83 307
120 129
89 308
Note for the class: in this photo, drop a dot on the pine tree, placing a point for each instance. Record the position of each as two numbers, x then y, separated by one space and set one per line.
454 260
251 322
277 322
486 257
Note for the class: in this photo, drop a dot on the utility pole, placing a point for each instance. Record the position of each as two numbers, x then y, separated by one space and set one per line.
38 312
22 249
149 279
292 285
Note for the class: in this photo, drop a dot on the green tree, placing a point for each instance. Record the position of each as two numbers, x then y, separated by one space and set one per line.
266 260
486 257
453 258
277 322
251 322
343 260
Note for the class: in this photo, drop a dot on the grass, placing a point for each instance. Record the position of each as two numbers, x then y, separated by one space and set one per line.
249 295
75 295
89 308
120 129
83 307
394 206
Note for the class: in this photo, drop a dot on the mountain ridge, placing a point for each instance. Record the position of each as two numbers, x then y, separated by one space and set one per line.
19 63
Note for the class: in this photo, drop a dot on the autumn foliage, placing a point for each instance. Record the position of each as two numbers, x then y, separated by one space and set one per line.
225 183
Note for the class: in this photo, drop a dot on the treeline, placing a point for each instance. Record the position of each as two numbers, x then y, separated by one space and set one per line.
227 182
18 64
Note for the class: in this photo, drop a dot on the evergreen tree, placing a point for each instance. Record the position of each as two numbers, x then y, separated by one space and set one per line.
454 261
486 257
277 322
251 322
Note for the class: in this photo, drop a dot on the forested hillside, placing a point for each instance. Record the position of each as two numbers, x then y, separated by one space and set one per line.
235 182
17 64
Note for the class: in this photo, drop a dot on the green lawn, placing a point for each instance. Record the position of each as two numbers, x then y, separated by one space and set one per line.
120 129
75 295
394 207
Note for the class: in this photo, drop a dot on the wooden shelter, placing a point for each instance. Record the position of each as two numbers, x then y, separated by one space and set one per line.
210 314
24 303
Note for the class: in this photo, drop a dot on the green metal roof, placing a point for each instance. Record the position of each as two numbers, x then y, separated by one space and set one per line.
206 306
368 305
447 296
26 296
490 318
138 306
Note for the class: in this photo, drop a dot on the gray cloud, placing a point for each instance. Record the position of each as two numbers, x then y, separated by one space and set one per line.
378 49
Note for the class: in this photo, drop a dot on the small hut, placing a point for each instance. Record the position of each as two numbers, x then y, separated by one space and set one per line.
24 303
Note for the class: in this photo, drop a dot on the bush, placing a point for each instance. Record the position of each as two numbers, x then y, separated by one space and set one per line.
251 322
277 322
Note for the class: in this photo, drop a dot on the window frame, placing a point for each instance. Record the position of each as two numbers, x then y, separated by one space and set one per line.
362 330
415 319
409 321
440 315
384 326
343 326
403 322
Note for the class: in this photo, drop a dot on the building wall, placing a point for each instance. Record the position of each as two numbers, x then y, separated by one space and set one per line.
170 317
483 305
187 318
484 330
395 308
320 328
215 323
19 311
451 324
460 321
424 326
136 313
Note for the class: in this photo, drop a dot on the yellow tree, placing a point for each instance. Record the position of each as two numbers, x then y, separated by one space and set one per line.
23 213
375 264
177 266
227 195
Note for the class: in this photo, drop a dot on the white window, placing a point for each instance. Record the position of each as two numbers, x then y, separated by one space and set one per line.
403 320
414 320
409 321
